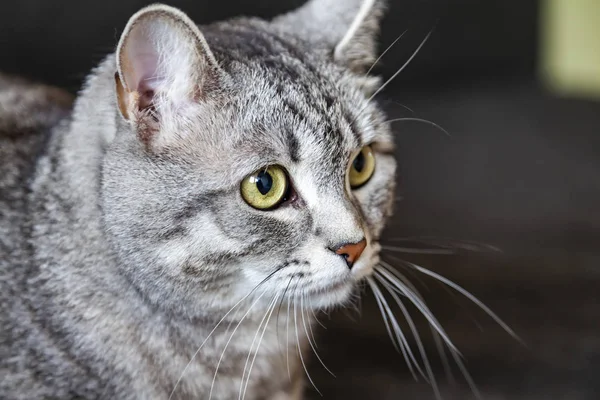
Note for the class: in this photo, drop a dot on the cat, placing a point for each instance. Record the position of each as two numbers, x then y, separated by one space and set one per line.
171 235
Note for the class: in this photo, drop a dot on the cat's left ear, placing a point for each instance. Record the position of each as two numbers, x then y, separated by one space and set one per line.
164 64
346 30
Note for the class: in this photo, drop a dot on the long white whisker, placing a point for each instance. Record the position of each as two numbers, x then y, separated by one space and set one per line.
403 106
447 289
254 341
416 335
383 315
229 340
355 304
385 51
300 350
308 337
414 119
465 372
437 335
401 288
468 295
317 319
409 250
287 336
400 338
401 68
213 331
443 356
312 333
258 347
403 277
278 312
449 243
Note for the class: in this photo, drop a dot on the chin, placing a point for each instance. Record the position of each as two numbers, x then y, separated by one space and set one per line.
330 296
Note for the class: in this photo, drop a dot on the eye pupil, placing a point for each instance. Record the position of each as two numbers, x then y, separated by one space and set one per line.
359 162
264 182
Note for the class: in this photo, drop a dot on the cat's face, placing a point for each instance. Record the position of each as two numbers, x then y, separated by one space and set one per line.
276 174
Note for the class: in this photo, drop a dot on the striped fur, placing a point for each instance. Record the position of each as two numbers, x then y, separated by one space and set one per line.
125 240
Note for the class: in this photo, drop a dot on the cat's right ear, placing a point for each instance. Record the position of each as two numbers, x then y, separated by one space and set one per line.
164 65
344 30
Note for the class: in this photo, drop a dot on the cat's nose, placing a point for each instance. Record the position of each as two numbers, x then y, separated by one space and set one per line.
350 251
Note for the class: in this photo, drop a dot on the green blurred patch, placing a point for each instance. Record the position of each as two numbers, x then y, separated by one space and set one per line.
570 47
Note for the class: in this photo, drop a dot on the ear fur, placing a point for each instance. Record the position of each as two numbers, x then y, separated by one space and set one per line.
163 64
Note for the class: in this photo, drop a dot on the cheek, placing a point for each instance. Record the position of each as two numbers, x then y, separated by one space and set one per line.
268 232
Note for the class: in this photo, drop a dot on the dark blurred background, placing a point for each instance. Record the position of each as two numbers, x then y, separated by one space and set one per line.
520 171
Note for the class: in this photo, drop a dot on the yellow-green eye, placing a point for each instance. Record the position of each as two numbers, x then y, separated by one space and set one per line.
265 188
362 167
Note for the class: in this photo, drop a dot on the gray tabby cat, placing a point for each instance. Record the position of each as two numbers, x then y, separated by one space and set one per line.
173 234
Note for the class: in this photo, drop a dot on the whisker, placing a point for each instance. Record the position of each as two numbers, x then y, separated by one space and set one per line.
466 245
417 337
410 110
403 278
229 340
317 319
452 294
468 295
410 250
402 289
384 316
425 121
360 113
445 288
287 331
214 329
308 337
401 68
429 378
466 374
310 325
399 337
409 268
347 313
410 271
439 344
360 304
407 316
257 348
287 340
442 352
385 51
272 303
355 303
279 311
300 350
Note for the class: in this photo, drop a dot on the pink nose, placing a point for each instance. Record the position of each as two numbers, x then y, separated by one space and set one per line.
351 251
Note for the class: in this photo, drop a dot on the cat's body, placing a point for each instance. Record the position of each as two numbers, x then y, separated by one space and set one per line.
64 294
68 335
124 242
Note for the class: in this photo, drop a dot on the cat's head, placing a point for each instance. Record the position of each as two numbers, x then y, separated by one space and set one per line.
249 156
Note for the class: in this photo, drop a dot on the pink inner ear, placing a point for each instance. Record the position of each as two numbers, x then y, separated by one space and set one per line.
140 68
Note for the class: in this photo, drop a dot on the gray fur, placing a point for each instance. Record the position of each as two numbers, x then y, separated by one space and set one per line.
125 240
